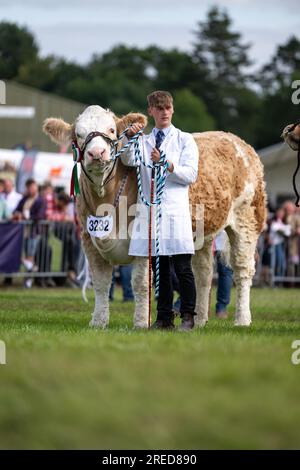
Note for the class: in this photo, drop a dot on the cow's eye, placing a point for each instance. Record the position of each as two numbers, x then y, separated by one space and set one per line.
112 130
79 135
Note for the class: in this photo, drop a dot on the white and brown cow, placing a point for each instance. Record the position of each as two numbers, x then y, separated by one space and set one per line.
230 185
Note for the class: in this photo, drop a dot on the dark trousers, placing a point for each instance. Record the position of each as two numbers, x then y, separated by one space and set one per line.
187 288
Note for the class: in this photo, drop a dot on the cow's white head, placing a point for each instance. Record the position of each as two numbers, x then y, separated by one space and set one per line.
96 149
291 134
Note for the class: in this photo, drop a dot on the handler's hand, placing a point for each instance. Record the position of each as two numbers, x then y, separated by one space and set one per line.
136 127
155 155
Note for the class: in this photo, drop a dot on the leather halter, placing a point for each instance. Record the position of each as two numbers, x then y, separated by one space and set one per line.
81 150
293 126
94 134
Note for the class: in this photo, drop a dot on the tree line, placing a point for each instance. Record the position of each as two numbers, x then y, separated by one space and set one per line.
212 85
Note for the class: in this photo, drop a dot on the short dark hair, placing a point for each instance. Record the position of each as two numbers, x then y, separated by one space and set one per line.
29 182
63 197
159 99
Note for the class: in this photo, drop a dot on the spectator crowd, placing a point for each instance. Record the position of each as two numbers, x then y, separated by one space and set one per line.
279 244
36 208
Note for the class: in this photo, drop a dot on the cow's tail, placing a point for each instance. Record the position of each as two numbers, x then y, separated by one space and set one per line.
85 276
225 253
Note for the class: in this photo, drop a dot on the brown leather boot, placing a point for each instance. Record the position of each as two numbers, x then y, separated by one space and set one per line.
166 324
187 322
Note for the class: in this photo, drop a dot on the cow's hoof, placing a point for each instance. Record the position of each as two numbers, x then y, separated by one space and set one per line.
242 322
140 321
97 324
200 323
141 326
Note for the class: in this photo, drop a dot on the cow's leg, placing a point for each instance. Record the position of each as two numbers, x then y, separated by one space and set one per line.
101 277
203 272
140 289
243 245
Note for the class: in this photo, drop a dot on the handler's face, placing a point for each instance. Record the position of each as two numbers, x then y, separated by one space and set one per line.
162 115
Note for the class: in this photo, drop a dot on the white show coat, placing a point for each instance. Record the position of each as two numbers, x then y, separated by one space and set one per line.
176 236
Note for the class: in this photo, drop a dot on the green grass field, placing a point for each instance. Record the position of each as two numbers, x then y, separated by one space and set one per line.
66 386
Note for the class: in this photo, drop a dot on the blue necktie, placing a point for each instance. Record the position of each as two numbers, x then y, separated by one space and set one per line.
159 139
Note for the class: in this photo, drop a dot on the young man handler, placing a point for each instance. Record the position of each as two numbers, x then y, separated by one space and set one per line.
176 238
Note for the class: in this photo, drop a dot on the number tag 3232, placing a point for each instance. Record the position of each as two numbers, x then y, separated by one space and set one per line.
99 227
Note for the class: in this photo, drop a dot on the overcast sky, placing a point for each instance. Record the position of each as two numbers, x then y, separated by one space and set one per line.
76 29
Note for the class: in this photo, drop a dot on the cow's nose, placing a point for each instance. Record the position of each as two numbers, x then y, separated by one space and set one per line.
96 153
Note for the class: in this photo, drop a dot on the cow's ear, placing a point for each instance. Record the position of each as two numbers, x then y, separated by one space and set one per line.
58 130
125 121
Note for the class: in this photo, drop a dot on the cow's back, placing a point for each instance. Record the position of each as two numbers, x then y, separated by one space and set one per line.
230 173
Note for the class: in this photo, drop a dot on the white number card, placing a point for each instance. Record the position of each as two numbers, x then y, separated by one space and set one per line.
99 227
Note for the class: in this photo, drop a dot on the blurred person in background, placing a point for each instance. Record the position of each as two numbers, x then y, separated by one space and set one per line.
265 274
12 198
4 213
47 193
125 272
31 208
62 210
280 230
2 188
293 219
65 230
43 256
225 276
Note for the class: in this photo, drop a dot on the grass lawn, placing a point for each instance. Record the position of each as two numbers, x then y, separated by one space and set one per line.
66 386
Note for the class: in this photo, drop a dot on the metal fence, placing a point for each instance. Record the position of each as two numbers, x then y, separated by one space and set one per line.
53 247
280 266
290 274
